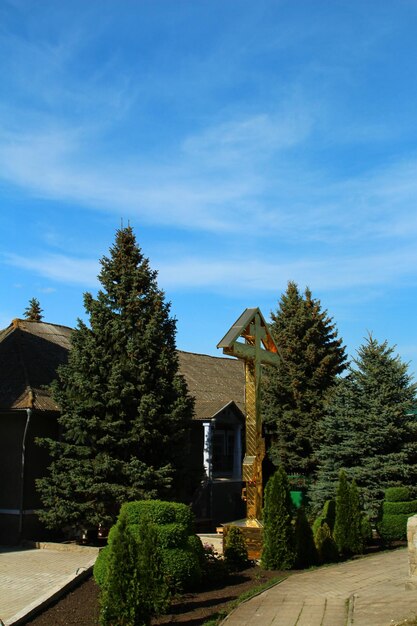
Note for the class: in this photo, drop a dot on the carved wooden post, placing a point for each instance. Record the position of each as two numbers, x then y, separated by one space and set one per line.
258 348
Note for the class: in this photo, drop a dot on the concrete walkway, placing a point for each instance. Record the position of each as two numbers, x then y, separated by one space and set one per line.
365 592
31 577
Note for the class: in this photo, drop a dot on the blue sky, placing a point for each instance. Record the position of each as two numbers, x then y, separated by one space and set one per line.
248 144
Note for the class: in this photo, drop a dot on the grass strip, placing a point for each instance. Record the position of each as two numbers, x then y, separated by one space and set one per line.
244 597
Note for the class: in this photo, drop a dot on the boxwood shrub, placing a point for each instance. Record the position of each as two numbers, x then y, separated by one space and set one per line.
159 512
393 527
398 508
397 494
182 553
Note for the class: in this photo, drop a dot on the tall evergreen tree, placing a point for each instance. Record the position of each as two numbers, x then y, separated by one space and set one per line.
294 391
367 428
125 411
33 311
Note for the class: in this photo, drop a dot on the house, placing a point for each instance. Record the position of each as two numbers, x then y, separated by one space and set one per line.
30 353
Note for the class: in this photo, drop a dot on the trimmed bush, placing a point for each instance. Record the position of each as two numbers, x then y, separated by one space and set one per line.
101 565
356 544
133 590
278 535
327 516
160 512
397 494
398 508
342 521
235 551
366 529
181 568
182 554
393 527
326 546
305 548
395 513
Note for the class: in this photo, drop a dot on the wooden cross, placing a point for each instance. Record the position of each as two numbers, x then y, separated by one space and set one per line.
259 348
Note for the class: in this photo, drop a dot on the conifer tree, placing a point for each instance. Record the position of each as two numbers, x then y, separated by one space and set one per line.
305 548
278 536
294 391
125 411
134 589
343 517
33 311
367 428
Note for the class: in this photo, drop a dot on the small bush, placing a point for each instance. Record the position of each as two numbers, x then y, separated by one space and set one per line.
181 569
329 513
133 589
393 527
366 529
278 535
101 565
326 546
160 512
305 548
397 494
235 551
398 508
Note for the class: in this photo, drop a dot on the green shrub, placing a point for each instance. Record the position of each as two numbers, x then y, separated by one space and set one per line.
182 554
181 568
160 512
101 565
235 550
326 546
278 535
397 508
329 513
397 494
134 589
393 527
305 548
342 521
328 516
366 529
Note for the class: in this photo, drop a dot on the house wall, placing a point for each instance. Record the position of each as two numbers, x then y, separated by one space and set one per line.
15 525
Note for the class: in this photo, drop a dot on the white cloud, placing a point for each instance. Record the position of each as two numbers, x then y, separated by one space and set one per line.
58 268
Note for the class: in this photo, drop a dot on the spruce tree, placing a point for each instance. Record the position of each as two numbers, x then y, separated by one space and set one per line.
33 311
367 428
278 536
294 391
125 411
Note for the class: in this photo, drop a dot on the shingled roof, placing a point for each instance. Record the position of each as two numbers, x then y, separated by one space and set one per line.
213 381
30 353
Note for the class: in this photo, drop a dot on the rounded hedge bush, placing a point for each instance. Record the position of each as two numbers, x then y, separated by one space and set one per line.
159 512
181 568
101 566
397 494
393 527
398 508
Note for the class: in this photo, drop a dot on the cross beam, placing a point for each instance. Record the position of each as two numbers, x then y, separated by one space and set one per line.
258 348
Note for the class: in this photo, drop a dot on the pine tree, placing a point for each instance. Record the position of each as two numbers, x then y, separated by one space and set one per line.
278 536
367 428
294 391
33 311
125 411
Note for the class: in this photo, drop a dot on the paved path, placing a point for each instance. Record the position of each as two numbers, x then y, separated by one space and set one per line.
364 592
29 577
